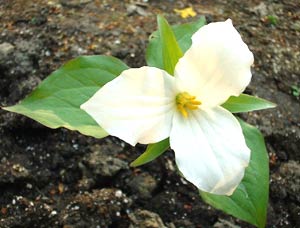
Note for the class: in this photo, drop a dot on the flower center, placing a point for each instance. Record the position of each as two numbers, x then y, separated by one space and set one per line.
185 101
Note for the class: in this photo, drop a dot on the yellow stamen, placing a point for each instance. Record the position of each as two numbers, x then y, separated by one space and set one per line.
186 101
182 110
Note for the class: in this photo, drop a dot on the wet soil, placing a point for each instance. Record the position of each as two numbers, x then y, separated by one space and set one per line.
59 178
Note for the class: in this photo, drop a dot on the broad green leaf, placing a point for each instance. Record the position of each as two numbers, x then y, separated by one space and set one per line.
250 199
153 151
56 101
171 52
154 57
183 34
246 103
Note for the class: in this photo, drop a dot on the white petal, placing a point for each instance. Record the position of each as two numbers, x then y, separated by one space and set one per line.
216 66
137 106
210 149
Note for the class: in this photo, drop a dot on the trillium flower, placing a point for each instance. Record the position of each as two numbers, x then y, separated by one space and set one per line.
146 105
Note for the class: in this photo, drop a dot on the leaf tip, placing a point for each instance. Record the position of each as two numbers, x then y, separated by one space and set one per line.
9 108
133 164
160 17
273 105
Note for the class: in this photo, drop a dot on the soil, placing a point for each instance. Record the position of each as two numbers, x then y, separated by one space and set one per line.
59 178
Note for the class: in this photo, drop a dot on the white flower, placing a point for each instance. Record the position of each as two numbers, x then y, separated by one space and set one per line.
146 105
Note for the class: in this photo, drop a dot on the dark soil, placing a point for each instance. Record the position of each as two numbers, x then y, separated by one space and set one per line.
59 178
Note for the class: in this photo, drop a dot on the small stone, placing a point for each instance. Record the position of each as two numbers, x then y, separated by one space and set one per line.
222 223
53 213
296 26
143 185
10 173
6 49
86 183
145 219
29 186
133 8
47 53
119 193
103 164
74 3
260 9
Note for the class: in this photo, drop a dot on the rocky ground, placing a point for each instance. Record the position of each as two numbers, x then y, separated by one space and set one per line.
59 178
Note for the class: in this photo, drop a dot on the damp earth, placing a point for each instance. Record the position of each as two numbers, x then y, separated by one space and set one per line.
59 178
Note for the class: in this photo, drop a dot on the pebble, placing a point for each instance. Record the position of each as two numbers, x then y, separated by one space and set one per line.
104 164
143 185
6 49
222 223
146 219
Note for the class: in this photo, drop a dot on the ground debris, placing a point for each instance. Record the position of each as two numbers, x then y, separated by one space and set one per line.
59 178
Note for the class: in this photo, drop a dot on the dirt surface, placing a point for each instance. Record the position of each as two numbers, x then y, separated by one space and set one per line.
59 178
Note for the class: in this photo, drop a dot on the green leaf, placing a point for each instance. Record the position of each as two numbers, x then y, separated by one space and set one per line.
171 52
153 151
295 91
250 199
56 101
183 34
246 103
153 52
